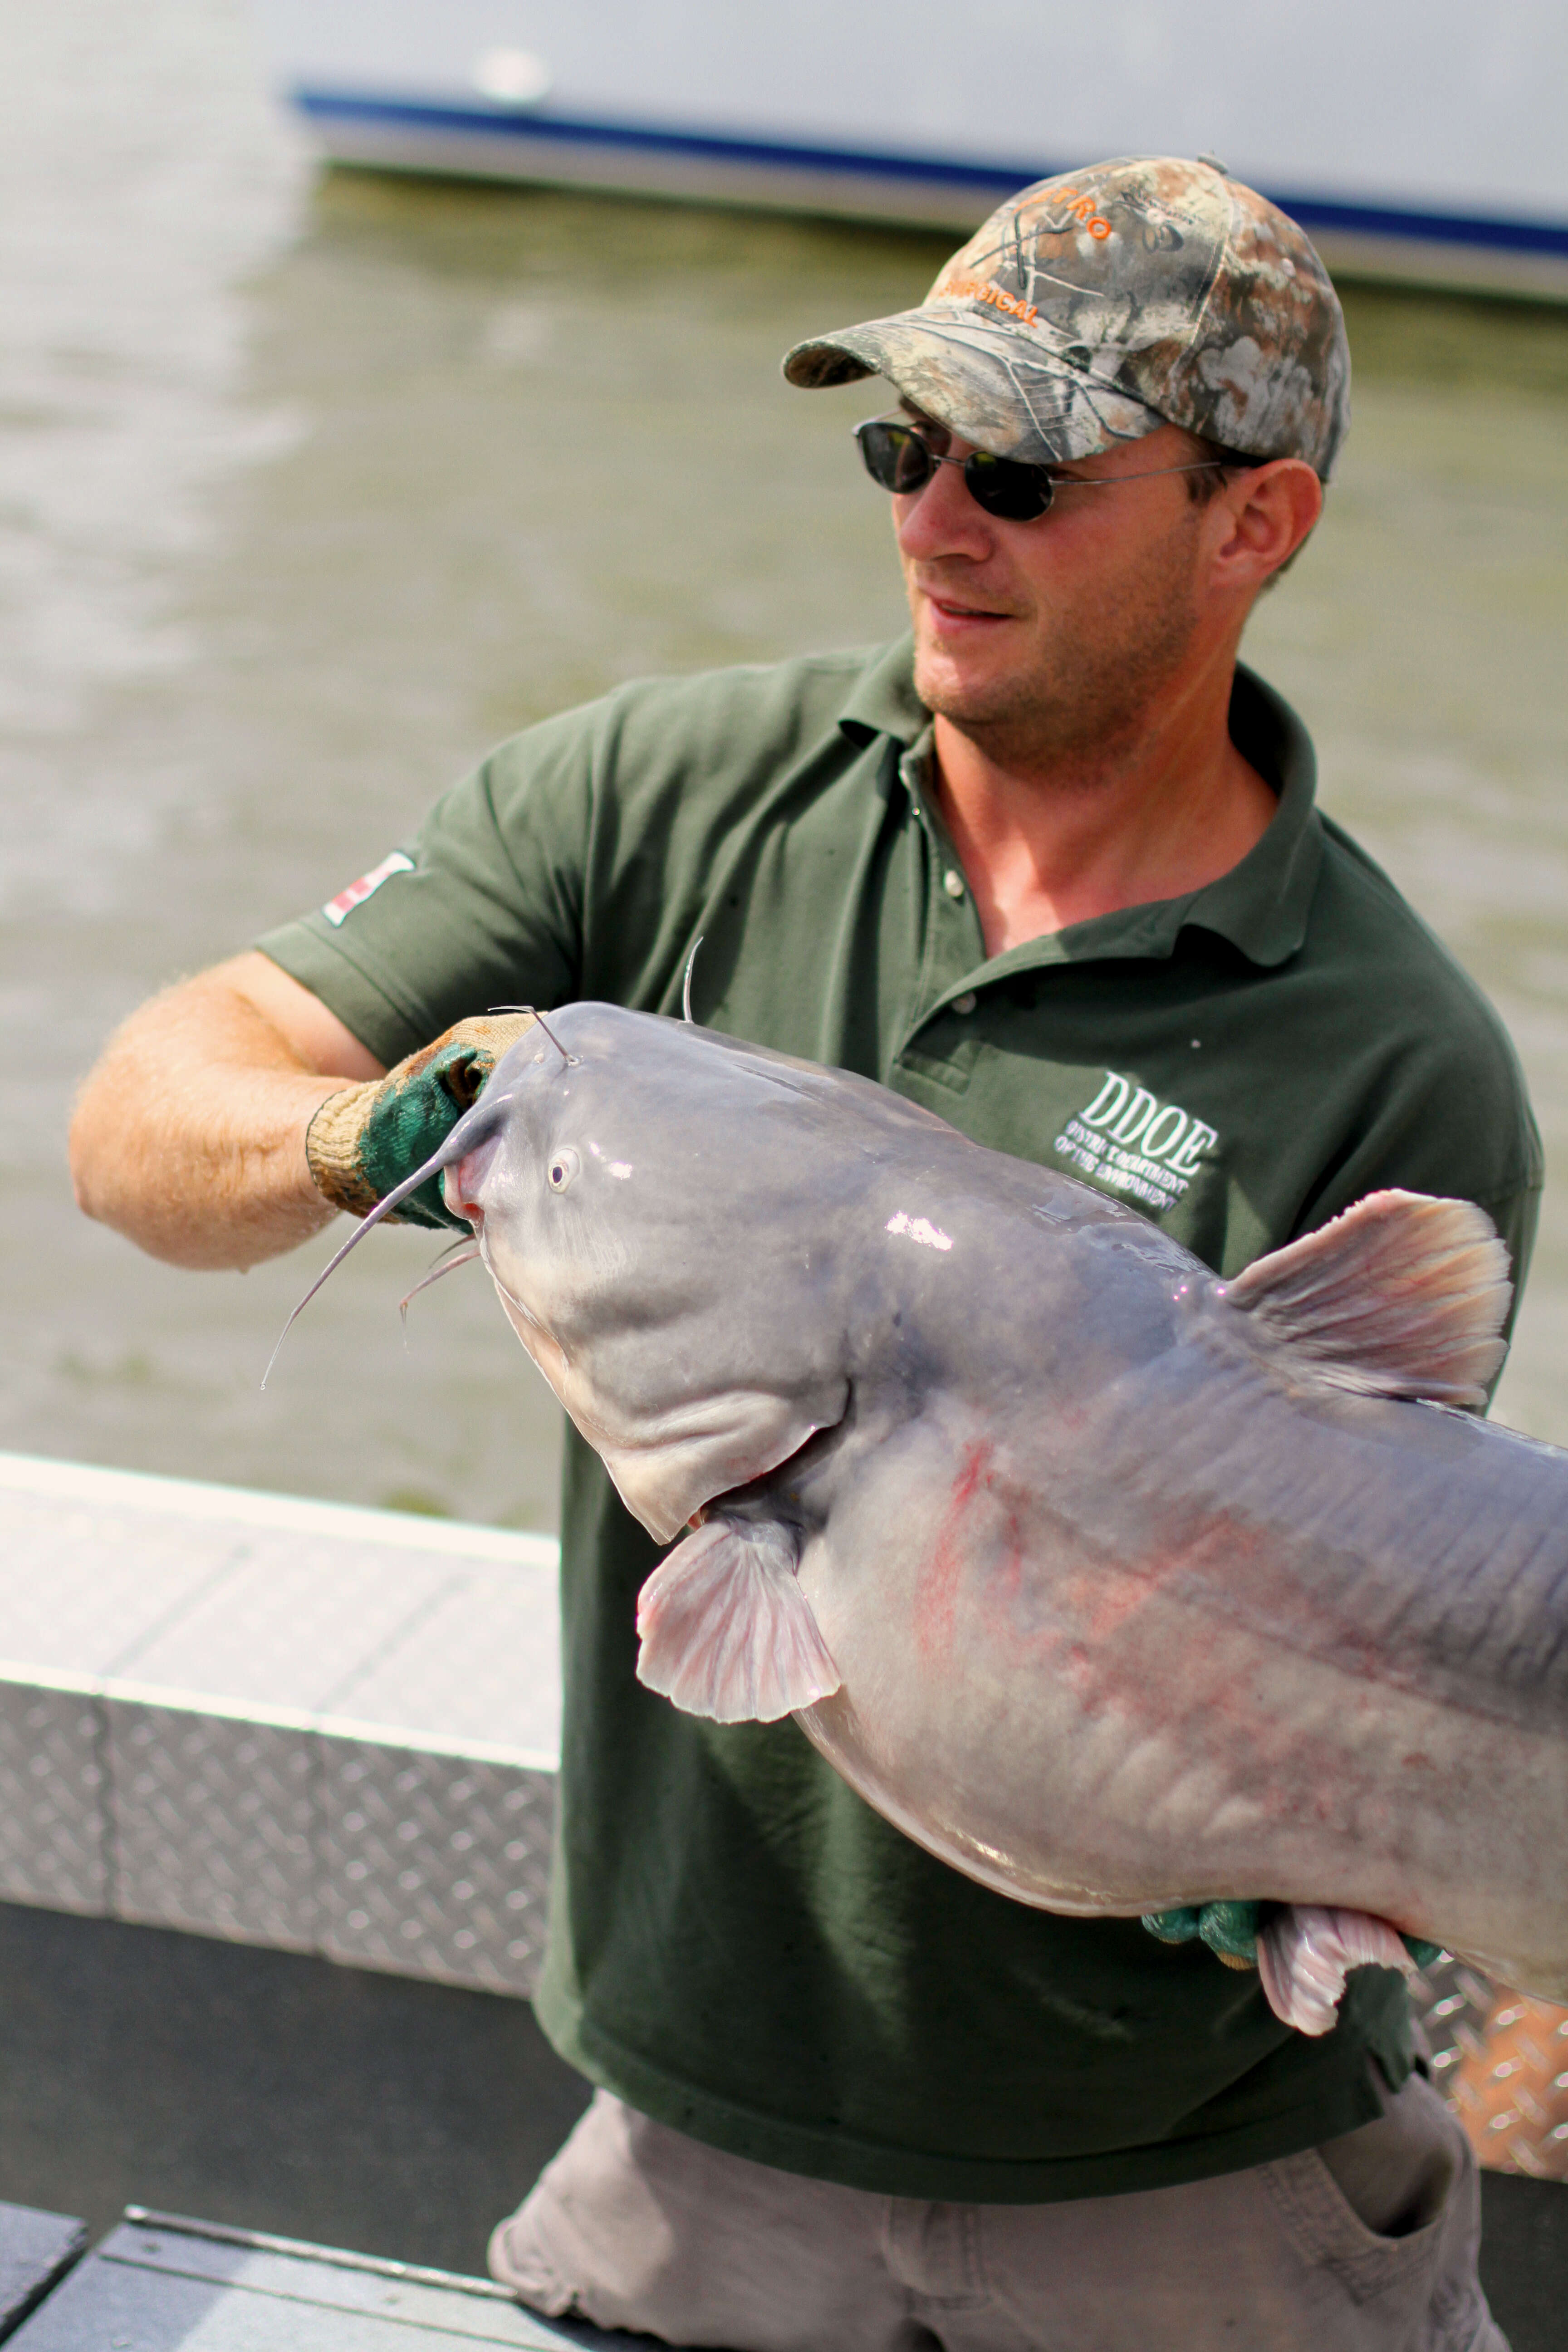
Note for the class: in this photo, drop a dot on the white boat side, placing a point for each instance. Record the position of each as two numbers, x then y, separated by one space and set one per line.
1410 143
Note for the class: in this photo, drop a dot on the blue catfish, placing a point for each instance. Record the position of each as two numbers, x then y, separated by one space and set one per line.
1117 1586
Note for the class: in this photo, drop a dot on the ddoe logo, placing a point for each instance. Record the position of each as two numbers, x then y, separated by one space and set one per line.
1129 1140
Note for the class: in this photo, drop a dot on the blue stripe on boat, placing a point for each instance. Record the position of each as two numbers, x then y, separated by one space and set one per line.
985 179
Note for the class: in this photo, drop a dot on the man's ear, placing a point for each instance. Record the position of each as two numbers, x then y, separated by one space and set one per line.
1261 517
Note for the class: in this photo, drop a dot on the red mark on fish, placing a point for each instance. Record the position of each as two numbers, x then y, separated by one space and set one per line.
936 1599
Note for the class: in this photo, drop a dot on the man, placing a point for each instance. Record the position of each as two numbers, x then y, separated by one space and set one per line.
1054 872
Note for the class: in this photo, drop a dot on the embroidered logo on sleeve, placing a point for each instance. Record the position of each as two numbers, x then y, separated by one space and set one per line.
1131 1142
368 884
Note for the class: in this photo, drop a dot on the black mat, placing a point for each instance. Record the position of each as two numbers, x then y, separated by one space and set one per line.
1524 2259
273 2090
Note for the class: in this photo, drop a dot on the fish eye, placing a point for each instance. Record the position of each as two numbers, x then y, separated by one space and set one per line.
564 1165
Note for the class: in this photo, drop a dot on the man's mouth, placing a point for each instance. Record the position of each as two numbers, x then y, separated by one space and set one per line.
953 612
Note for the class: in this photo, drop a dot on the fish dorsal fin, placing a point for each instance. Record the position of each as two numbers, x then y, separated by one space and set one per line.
726 1629
1402 1295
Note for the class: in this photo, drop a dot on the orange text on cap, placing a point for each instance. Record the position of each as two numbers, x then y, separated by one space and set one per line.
977 290
1083 210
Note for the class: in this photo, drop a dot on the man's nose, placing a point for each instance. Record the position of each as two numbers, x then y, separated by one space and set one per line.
942 519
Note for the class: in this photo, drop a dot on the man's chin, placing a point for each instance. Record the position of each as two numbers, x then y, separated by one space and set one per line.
967 692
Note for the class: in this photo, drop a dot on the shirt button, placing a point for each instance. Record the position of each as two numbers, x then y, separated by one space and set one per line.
966 1002
952 883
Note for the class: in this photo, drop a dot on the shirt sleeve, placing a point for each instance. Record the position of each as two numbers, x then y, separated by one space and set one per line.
578 859
1452 1118
1516 1216
482 908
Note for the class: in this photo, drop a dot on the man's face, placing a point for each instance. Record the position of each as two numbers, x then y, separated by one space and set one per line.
1053 636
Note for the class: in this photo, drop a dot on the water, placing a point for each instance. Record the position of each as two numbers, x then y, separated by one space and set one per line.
310 489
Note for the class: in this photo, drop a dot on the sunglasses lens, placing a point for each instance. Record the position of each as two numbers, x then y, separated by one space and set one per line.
901 459
895 456
1011 492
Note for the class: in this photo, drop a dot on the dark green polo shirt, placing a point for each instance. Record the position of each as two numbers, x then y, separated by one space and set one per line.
739 1946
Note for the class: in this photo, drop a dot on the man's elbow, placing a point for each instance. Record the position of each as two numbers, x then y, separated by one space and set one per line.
113 1176
96 1150
188 1134
79 1153
165 1201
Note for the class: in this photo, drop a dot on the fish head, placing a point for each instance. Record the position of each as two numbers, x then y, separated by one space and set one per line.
656 1205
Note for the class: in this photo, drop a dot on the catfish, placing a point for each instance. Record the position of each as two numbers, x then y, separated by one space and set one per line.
1117 1586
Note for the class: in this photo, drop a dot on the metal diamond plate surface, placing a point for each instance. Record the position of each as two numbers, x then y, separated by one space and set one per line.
214 1823
52 1843
1501 2062
284 1722
291 1618
435 1866
484 1664
83 1584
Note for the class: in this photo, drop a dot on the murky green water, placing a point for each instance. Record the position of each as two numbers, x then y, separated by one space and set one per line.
310 491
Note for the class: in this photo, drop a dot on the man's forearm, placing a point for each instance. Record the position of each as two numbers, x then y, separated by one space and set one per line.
189 1136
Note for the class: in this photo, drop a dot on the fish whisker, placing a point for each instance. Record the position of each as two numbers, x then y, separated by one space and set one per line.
685 985
475 1124
459 1252
533 1011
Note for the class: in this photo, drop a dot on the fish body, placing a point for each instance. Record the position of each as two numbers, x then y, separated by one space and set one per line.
1205 1637
1114 1585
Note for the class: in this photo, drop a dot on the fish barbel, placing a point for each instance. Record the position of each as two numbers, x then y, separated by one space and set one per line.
1117 1586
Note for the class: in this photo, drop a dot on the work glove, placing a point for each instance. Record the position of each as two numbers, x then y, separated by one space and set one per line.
362 1142
1230 1931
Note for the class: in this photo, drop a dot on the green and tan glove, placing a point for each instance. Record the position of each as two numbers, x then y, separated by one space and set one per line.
363 1141
1230 1931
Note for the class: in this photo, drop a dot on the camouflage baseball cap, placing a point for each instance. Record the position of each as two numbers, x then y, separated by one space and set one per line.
1097 305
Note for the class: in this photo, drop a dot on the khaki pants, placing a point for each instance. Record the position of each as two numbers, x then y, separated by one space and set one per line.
1367 2244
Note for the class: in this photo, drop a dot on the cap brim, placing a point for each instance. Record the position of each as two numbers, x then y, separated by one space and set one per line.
987 382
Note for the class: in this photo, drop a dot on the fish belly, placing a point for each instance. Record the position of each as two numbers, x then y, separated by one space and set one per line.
1083 1720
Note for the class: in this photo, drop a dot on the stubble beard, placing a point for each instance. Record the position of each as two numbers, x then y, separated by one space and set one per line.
1089 694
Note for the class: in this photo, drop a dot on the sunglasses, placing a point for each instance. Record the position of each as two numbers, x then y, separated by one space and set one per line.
901 459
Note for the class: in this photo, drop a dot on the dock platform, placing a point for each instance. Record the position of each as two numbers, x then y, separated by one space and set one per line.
280 1721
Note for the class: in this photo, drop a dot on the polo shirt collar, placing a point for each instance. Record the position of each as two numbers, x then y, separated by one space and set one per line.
883 700
1261 906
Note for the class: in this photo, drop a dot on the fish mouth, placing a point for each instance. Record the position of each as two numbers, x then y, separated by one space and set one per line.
462 1180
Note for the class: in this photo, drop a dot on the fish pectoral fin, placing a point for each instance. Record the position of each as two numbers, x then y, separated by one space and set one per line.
1401 1295
726 1629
